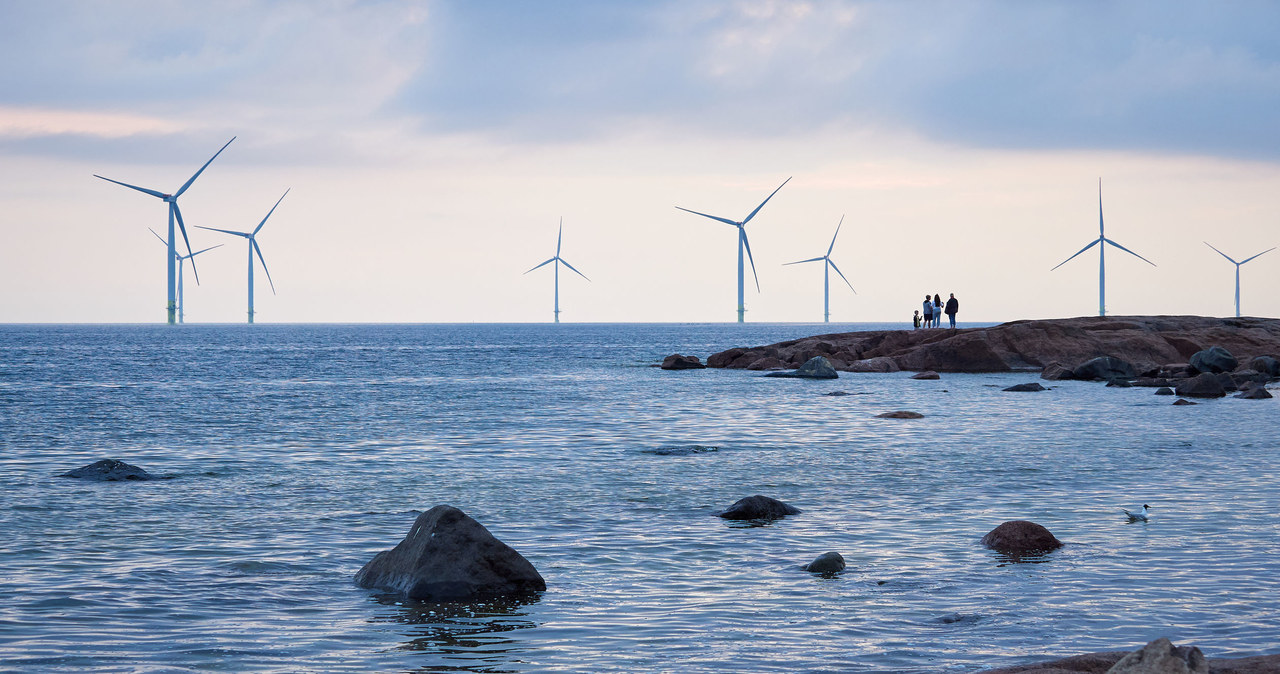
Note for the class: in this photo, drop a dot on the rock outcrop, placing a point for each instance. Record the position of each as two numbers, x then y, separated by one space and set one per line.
448 556
109 470
1162 657
1214 359
1203 385
758 508
679 362
827 563
1020 537
1102 663
817 367
1146 343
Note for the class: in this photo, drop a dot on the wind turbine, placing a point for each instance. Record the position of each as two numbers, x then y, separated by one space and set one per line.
559 261
181 259
1102 257
826 274
253 248
742 244
1237 264
174 214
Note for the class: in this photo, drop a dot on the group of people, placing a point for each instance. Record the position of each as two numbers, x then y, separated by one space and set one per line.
934 309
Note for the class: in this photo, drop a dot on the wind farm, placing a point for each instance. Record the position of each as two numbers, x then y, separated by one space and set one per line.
181 274
827 265
1238 265
251 238
556 261
1102 242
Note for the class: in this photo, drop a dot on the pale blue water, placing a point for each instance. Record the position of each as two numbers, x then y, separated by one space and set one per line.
297 452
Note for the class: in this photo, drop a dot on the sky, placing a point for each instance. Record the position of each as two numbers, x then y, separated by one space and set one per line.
432 149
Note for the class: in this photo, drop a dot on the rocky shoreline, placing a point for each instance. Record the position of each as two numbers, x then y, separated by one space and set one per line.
1151 344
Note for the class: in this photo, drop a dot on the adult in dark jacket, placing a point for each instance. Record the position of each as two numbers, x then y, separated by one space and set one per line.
952 307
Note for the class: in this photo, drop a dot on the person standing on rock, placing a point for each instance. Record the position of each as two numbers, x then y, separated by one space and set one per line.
952 307
928 311
937 310
915 320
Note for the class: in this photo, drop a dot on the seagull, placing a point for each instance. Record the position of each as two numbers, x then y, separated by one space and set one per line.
1140 516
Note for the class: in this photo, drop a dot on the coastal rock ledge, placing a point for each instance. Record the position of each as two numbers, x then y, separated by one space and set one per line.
1146 342
1159 656
448 556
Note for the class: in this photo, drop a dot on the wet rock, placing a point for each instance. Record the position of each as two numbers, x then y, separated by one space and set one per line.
817 367
1214 359
681 451
927 374
1103 368
1203 385
1254 392
1100 663
725 358
758 508
1119 383
1017 537
1055 372
1266 365
1030 386
1227 381
447 556
830 562
109 470
1151 382
1248 376
881 364
1164 391
1162 657
837 393
678 362
1184 401
900 414
1176 371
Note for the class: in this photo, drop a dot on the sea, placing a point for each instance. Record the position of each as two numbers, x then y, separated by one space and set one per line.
294 453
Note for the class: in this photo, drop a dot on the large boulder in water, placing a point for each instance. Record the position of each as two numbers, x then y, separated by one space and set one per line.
1203 385
448 556
1017 537
927 374
1266 365
827 563
109 470
680 362
1162 657
817 367
1214 359
1254 392
1105 368
758 508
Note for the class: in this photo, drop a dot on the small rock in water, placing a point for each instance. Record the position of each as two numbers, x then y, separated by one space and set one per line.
927 374
1254 392
830 562
109 470
678 362
900 414
1164 391
1162 657
837 393
758 508
1033 386
681 451
1184 401
1119 383
817 367
1021 537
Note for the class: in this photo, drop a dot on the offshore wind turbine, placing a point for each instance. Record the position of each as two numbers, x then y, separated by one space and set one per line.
559 261
827 265
742 244
1102 257
181 259
253 248
1238 264
174 214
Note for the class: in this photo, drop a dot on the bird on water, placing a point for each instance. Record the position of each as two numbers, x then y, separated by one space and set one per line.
1143 515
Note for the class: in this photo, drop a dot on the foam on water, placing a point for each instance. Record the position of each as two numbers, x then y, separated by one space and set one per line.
298 452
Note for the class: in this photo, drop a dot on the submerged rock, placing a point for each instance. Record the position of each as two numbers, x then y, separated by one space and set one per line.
817 367
109 470
1031 386
927 374
1184 401
1214 359
447 556
900 414
1119 383
1162 657
830 562
1021 537
1164 391
758 508
681 451
679 362
837 393
1203 385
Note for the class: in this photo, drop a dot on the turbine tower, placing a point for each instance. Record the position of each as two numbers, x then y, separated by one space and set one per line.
174 214
181 259
559 261
742 244
253 248
1102 257
827 265
1238 264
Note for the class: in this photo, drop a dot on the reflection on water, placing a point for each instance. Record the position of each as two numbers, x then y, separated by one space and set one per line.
476 631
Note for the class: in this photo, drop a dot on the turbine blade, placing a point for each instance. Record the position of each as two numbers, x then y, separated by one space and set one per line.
1227 256
1260 254
177 212
133 187
224 231
1091 245
713 217
566 263
273 210
205 250
258 250
162 239
1130 252
812 259
742 231
1100 232
543 264
762 203
560 237
833 237
846 281
202 168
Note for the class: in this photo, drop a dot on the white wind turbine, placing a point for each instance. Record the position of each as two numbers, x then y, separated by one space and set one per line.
827 265
253 248
181 259
1102 257
1238 264
742 244
174 214
559 261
